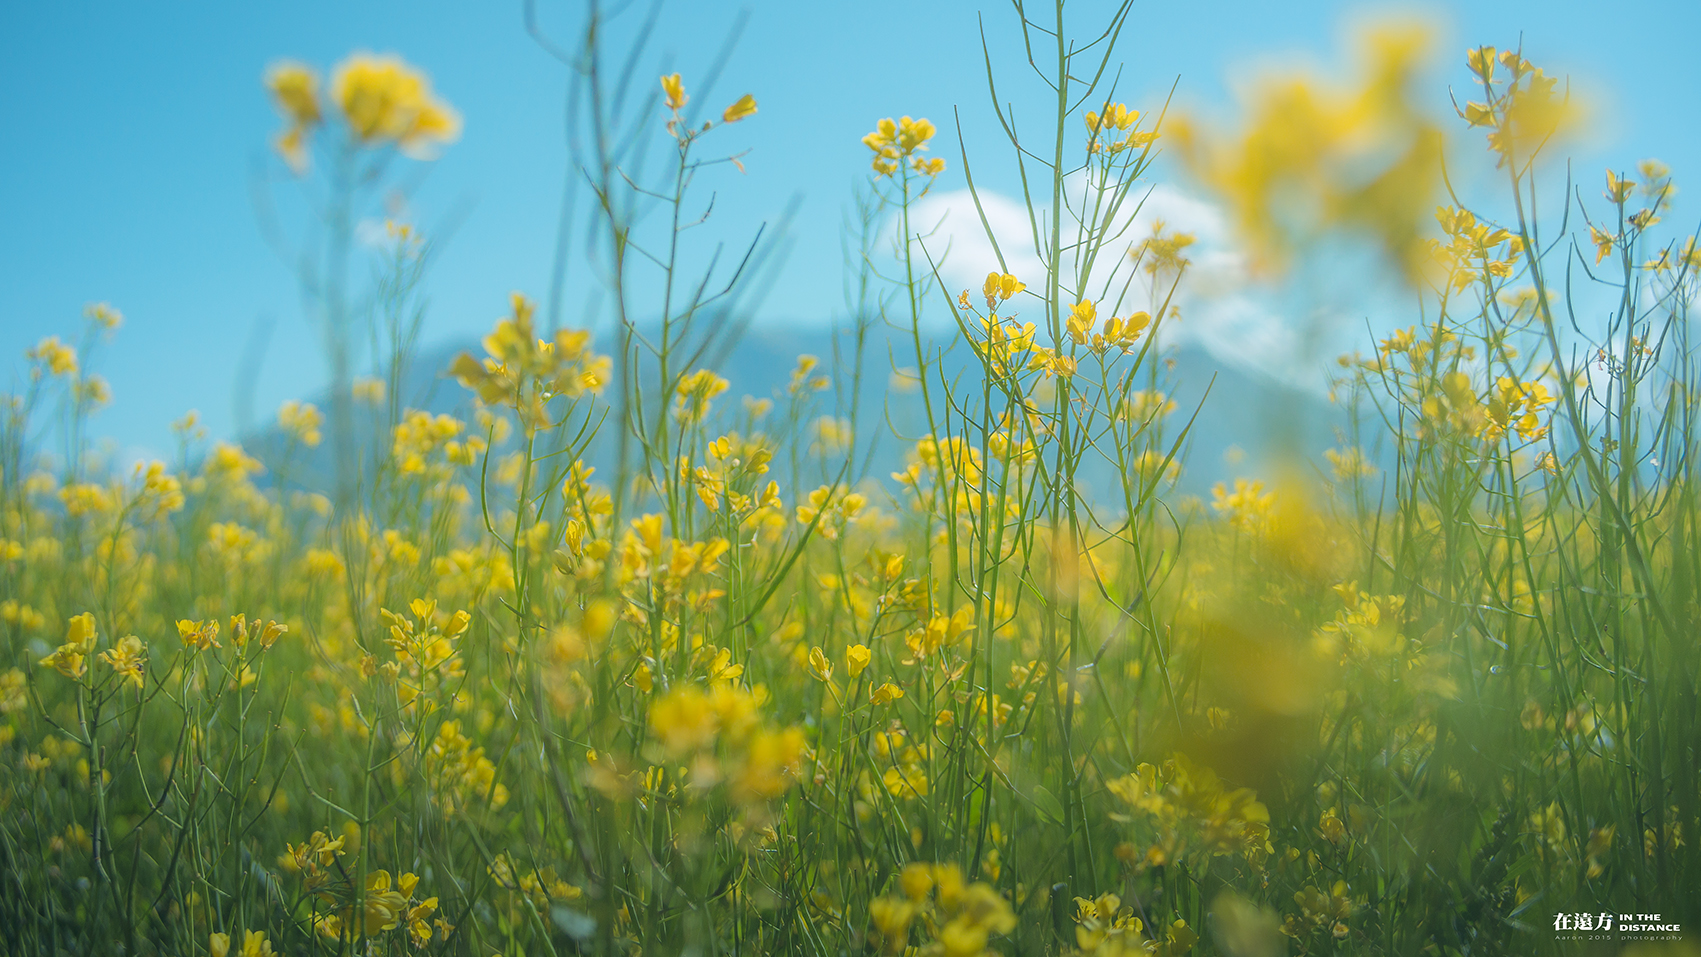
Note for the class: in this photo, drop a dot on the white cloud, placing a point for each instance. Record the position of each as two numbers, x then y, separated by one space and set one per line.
1223 311
951 228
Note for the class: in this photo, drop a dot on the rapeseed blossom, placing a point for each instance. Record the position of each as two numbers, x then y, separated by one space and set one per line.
386 101
894 142
1299 166
381 100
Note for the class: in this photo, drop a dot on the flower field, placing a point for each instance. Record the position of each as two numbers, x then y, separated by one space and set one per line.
615 659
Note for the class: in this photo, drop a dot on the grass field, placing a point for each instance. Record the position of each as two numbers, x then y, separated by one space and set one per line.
613 662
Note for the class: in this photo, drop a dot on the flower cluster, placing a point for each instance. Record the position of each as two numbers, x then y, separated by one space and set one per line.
719 734
254 944
1523 109
382 100
462 777
1116 333
949 917
1247 507
388 903
895 142
1106 927
1321 911
301 421
675 98
1313 157
525 373
1190 813
831 511
424 647
1103 127
1475 251
70 659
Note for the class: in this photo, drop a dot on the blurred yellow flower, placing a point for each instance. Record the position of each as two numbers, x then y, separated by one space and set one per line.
301 422
387 102
295 90
1523 110
885 694
1313 157
103 315
674 88
53 356
744 106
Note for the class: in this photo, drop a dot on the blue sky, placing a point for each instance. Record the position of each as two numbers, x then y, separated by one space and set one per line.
132 134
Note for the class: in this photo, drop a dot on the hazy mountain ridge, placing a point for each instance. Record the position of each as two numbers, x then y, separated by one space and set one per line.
1230 409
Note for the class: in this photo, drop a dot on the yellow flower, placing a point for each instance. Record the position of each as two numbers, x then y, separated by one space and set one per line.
1082 317
819 666
695 391
103 315
1603 241
14 690
914 134
675 90
85 498
1164 253
219 945
1363 158
770 765
857 658
683 719
885 694
369 390
70 659
1600 844
999 287
743 107
80 632
301 421
54 356
295 90
387 102
230 463
1052 363
928 166
891 917
384 906
255 944
1248 507
1481 61
906 781
127 659
67 661
199 634
161 492
892 142
419 917
1529 111
525 373
1618 190
1095 121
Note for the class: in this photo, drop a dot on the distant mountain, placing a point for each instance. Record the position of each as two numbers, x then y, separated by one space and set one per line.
1239 419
